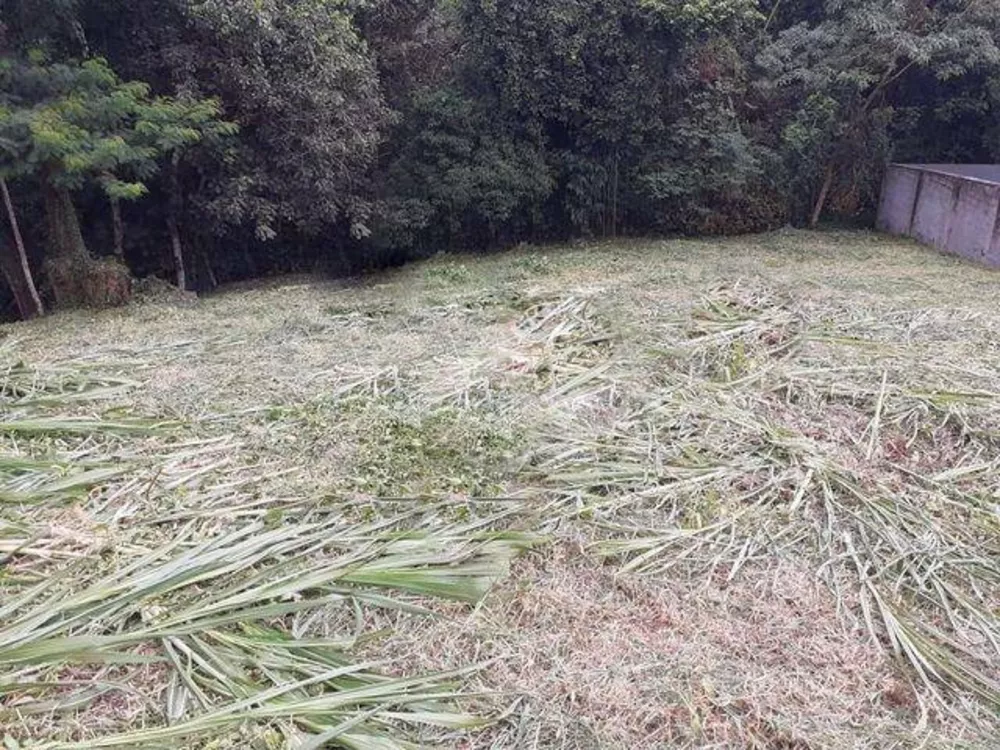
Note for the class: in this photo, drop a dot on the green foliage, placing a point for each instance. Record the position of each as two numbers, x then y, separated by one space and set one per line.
68 123
372 132
456 179
49 25
633 103
446 451
701 16
829 81
302 85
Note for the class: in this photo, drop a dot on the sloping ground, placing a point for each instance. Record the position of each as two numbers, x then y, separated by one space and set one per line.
720 494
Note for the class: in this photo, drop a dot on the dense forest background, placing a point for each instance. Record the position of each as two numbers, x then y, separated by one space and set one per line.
204 141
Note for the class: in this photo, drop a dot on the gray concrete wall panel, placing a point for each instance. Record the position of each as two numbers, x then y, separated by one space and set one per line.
899 194
932 216
955 208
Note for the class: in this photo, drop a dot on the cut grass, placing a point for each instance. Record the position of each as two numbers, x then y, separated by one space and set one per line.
220 614
768 470
210 610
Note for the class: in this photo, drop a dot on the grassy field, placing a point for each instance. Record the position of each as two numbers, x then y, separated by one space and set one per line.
719 494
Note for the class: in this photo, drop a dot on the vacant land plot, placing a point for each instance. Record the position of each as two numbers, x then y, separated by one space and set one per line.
725 494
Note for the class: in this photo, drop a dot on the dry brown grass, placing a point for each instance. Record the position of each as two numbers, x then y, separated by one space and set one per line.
596 659
767 471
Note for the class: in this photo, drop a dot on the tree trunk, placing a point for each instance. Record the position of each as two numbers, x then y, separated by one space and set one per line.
771 17
821 201
36 307
211 273
118 227
65 237
614 199
178 251
69 269
176 203
11 271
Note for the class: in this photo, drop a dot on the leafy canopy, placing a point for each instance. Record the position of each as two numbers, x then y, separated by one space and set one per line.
71 122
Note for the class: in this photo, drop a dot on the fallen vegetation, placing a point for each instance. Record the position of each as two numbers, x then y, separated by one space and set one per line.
668 494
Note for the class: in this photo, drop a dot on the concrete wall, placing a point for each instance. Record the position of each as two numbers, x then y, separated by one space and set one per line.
937 199
899 195
974 221
951 208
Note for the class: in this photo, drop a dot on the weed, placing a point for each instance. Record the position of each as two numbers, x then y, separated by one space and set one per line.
447 450
447 272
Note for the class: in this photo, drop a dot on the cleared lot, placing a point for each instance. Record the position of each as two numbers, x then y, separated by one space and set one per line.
737 493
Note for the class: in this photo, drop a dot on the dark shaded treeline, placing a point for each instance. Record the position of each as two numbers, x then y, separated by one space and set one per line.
210 140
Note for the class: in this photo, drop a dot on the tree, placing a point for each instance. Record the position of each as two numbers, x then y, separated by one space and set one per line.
173 127
22 281
303 86
415 44
299 81
69 124
373 131
615 92
834 76
457 181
